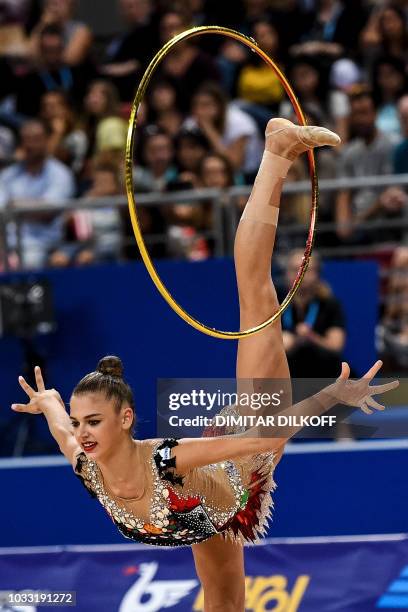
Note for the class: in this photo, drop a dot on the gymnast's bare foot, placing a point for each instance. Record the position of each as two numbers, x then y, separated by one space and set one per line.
284 138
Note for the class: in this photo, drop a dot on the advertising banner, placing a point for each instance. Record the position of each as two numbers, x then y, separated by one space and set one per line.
323 576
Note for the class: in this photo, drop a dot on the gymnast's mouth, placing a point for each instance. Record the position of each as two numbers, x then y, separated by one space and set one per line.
89 446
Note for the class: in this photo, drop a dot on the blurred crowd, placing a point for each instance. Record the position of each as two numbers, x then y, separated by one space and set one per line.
66 98
66 95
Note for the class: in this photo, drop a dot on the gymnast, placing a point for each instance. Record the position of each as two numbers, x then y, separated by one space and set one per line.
213 492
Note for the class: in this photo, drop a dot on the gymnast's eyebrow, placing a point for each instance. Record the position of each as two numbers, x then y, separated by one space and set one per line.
88 416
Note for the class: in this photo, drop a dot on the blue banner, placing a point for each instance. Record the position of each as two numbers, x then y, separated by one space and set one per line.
323 576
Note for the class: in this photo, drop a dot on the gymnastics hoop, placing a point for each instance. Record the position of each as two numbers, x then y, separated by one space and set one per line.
251 43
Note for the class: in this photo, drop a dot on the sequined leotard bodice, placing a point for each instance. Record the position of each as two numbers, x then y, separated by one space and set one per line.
232 498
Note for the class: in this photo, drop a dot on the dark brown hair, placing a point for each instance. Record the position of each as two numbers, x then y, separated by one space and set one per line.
112 108
108 380
386 42
214 91
228 168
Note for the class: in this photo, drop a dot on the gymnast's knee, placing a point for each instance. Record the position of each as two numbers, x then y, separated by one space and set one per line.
258 296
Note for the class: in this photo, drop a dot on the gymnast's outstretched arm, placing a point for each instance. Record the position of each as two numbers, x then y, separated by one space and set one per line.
49 403
192 452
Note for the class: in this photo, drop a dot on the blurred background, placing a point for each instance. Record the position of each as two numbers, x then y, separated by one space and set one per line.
73 288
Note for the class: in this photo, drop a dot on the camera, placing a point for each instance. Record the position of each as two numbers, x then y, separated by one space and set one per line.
26 309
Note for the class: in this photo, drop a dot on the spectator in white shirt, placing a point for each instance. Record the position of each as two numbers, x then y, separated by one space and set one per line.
230 131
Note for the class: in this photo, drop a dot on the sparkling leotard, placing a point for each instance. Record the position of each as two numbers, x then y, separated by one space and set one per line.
232 498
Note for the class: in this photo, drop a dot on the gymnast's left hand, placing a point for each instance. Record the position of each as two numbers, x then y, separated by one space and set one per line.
358 392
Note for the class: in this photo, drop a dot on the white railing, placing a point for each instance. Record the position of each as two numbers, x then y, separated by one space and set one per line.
226 212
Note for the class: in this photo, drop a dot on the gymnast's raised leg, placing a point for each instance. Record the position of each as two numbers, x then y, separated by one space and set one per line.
219 563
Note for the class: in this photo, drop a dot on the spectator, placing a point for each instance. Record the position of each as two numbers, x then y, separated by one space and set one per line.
158 158
164 108
127 54
172 22
36 181
310 83
66 141
77 36
259 86
7 145
385 34
216 172
334 29
186 67
314 333
256 9
191 148
185 226
389 84
401 151
313 325
368 154
13 19
392 333
97 231
198 12
291 19
52 74
105 128
230 131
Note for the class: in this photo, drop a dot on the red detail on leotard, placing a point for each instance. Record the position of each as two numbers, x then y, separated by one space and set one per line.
246 520
178 504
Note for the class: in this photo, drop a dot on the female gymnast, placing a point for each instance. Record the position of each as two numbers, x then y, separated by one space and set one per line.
213 492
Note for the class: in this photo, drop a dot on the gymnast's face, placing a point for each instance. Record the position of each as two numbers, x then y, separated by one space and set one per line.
98 427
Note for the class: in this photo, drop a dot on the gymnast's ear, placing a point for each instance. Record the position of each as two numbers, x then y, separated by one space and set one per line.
127 416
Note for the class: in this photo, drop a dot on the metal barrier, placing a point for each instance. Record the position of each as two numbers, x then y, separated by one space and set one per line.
226 213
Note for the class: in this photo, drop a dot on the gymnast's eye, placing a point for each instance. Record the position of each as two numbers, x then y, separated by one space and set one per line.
92 423
74 423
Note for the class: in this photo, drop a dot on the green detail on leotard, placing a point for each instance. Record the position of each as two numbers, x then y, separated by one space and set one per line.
244 498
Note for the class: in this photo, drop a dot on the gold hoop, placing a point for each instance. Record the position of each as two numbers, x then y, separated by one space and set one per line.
250 42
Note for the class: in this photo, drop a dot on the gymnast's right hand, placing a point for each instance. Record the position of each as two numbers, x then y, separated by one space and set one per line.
41 399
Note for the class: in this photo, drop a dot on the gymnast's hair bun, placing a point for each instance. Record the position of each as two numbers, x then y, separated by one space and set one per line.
110 366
